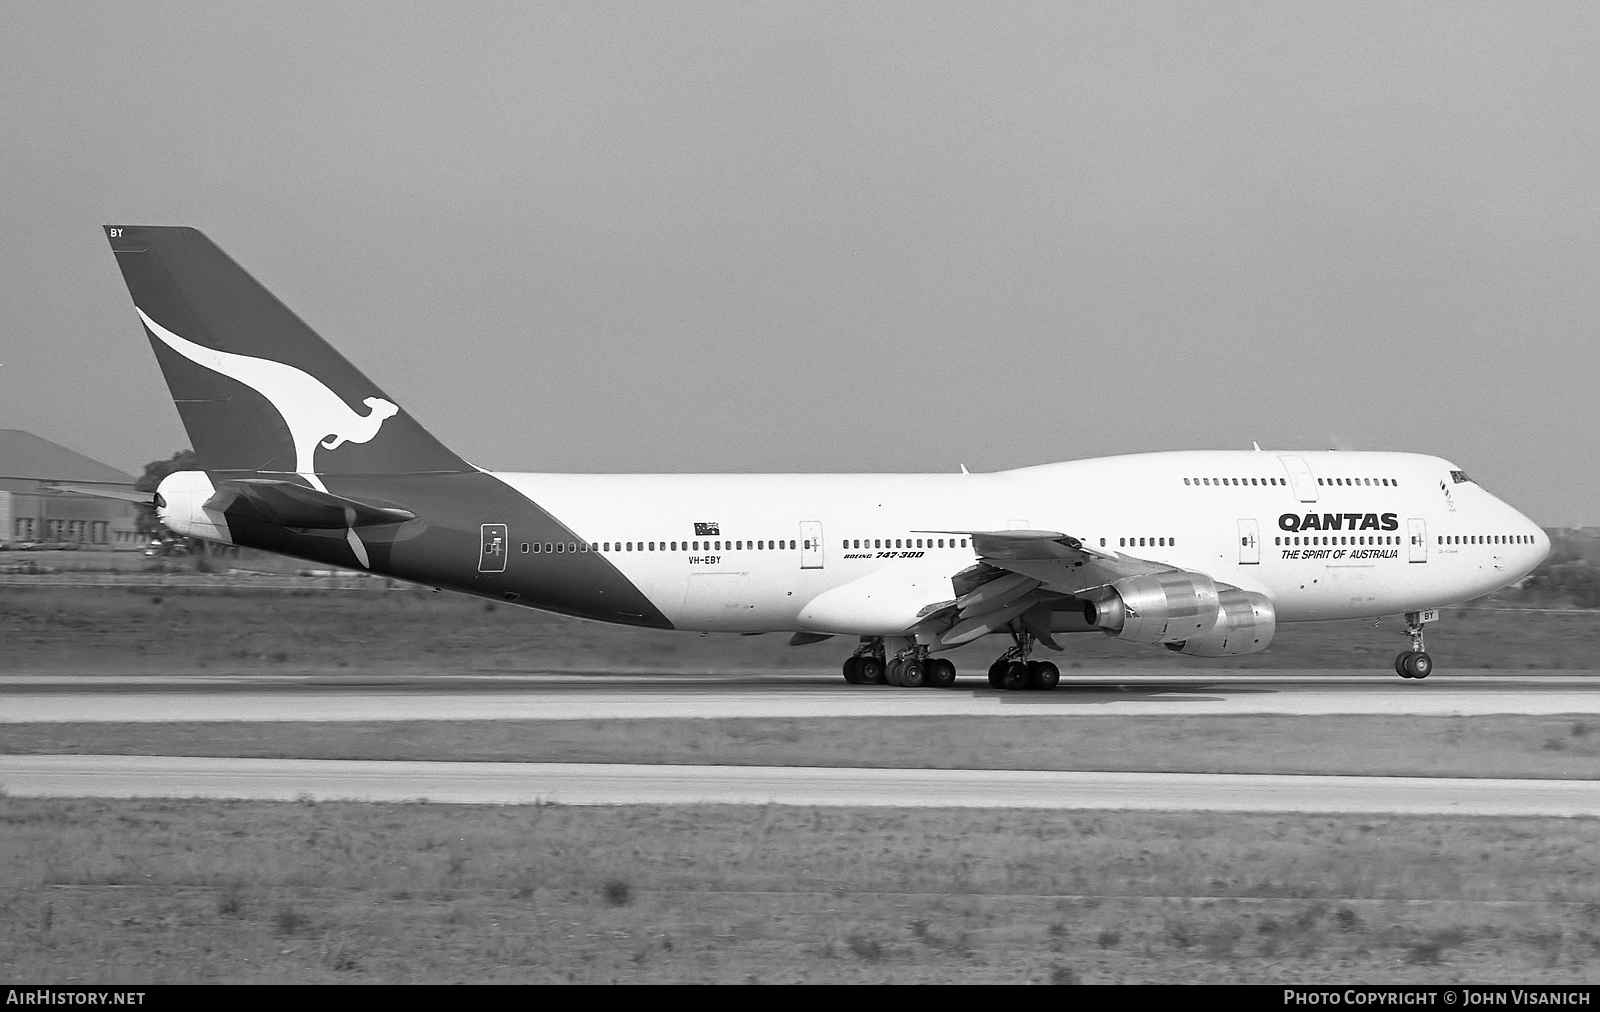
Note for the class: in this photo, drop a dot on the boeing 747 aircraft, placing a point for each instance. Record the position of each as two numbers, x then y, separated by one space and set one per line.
1200 552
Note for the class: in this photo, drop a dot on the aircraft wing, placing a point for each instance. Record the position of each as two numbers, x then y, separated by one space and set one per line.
293 505
1059 562
1019 575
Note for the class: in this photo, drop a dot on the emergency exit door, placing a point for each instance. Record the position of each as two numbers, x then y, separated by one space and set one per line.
1300 477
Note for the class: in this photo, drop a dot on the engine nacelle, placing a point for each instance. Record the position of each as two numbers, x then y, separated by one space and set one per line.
1160 608
1245 624
180 505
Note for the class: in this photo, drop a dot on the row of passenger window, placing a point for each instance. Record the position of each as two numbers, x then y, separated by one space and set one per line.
1234 481
851 543
902 543
1341 540
660 546
1387 482
535 548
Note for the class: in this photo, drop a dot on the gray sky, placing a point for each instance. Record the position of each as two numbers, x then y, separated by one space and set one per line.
852 237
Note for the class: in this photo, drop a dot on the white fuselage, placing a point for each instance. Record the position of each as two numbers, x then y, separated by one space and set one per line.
1392 532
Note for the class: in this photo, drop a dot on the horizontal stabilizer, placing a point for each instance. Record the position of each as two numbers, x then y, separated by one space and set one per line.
127 493
289 504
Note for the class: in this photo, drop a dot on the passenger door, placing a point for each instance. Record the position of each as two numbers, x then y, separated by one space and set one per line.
1249 543
810 544
1417 528
492 549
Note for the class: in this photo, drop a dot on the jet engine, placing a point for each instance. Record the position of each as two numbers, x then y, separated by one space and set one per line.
1187 612
180 505
1159 608
1245 624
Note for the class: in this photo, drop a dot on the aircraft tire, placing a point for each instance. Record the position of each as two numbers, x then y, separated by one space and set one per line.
1419 664
1043 675
997 672
941 673
891 671
913 674
1400 662
852 670
870 671
1015 676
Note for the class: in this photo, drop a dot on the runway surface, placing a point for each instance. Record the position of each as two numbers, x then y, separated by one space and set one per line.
599 784
567 696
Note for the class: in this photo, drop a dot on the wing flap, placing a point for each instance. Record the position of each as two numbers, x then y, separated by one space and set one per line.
1059 562
970 628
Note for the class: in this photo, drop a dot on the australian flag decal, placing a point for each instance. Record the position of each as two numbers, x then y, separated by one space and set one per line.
707 530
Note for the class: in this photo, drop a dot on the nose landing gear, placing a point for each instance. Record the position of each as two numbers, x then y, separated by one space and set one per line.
1415 663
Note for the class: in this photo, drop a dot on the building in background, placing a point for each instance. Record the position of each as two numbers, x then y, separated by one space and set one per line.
31 512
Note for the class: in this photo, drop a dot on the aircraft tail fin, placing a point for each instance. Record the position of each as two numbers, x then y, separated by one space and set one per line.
258 389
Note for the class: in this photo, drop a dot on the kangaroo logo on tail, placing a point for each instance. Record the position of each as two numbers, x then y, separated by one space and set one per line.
314 414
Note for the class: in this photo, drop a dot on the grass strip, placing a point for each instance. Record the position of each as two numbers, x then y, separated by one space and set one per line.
1493 746
176 891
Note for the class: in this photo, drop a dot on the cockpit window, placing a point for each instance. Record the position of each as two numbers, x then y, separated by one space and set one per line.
1459 477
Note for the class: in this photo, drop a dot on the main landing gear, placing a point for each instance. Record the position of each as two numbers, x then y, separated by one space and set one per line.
1015 671
1415 663
911 668
864 669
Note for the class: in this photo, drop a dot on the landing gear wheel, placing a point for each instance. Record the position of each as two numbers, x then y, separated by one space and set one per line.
852 670
870 671
1015 676
941 674
997 672
1419 664
895 671
913 673
1043 675
1415 663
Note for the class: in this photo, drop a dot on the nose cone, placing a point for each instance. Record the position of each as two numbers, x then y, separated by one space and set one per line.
1541 543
